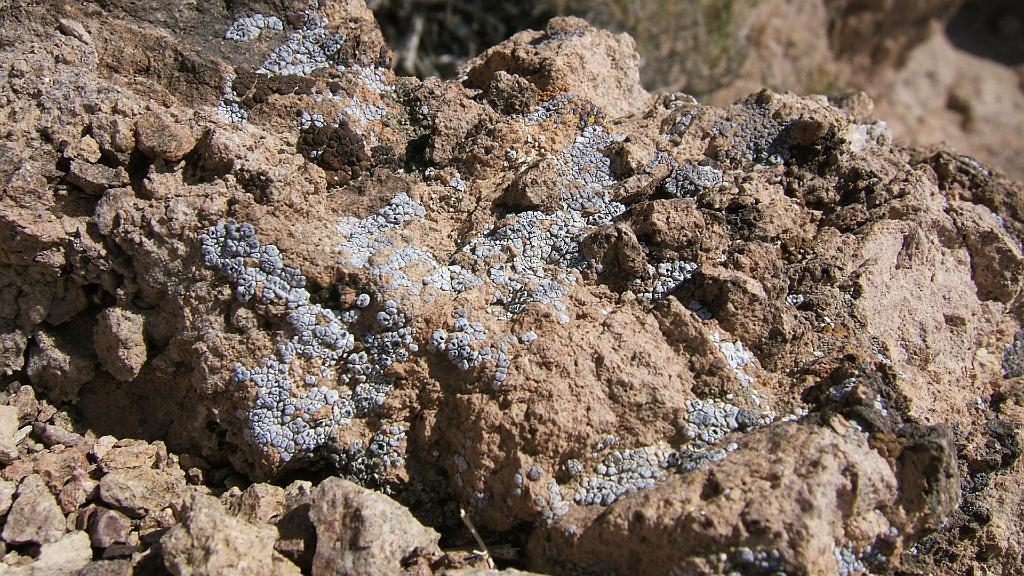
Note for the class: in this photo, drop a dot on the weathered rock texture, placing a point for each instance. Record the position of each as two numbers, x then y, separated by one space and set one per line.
614 331
939 71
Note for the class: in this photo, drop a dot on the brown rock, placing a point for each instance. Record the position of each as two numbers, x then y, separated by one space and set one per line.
130 453
996 261
535 188
364 532
594 64
8 424
96 178
511 93
62 558
103 445
51 435
59 364
809 485
296 533
159 137
485 572
259 504
25 401
108 527
122 567
629 157
821 244
13 344
7 490
74 28
8 434
78 490
35 517
139 491
209 541
56 467
120 345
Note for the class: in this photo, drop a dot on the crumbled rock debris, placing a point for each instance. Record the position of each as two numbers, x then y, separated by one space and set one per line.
254 279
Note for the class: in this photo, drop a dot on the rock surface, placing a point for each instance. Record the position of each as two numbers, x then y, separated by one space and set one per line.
363 532
334 314
209 541
34 517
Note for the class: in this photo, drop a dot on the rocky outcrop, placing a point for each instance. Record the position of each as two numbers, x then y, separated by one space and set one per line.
333 315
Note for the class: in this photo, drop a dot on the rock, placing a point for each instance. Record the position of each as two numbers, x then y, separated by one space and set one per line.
158 136
65 557
511 93
25 401
599 66
116 551
96 178
209 541
87 148
535 188
120 345
8 433
259 504
103 445
996 261
125 454
296 533
74 28
739 491
56 467
50 435
58 365
139 491
7 490
34 517
108 568
359 531
77 491
629 157
485 572
13 344
634 332
108 527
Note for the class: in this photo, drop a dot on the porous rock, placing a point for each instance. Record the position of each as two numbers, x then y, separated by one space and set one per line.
95 178
536 299
128 453
158 136
59 364
120 344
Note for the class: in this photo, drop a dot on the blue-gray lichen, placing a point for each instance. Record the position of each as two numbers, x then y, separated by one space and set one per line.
249 27
737 356
530 258
315 380
622 472
664 278
1013 357
689 179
